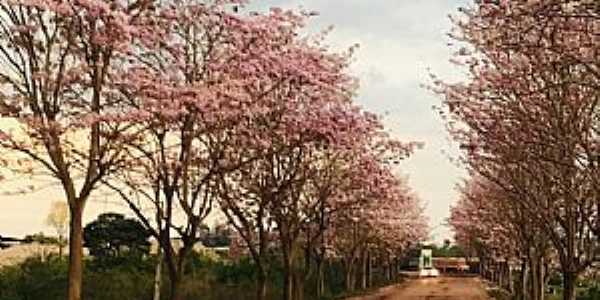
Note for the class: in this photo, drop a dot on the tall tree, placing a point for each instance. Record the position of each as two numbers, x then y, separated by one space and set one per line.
530 109
502 231
214 75
59 60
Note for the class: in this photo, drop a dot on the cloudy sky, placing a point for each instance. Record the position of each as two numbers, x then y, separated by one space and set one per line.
400 41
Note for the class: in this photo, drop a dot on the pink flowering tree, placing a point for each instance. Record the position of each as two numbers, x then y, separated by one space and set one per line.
297 143
384 218
203 89
288 143
487 222
59 60
527 117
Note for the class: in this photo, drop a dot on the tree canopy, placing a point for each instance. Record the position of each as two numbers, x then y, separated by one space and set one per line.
113 235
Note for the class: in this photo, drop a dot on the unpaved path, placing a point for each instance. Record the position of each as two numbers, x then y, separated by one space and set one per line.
441 288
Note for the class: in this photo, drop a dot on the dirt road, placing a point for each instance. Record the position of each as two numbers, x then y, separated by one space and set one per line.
442 288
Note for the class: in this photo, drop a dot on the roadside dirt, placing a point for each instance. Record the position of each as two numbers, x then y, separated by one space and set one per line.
441 288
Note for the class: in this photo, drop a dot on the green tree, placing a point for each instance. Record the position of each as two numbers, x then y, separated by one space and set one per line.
447 250
112 236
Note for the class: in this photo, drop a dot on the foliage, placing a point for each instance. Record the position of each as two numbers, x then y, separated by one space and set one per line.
128 281
527 120
46 279
58 219
447 251
206 278
34 279
592 293
112 236
60 65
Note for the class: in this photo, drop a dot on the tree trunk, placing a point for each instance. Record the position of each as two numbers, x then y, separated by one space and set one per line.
75 251
369 270
298 287
176 273
288 280
159 253
542 278
524 281
261 285
498 274
158 274
288 285
298 272
538 282
293 285
396 269
62 241
481 270
364 270
569 280
320 278
511 281
502 275
175 292
349 276
535 293
388 269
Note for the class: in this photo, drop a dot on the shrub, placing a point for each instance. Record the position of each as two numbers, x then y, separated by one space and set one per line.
35 279
118 283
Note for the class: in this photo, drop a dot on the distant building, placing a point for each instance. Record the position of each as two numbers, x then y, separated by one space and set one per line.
199 247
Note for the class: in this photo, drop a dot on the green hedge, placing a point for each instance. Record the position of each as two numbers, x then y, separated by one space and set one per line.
207 278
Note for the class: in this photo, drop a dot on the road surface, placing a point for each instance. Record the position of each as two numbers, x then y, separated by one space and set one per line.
441 288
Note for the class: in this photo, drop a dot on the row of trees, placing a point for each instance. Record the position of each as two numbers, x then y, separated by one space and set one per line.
528 121
185 106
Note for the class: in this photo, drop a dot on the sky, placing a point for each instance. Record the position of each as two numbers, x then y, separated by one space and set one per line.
401 41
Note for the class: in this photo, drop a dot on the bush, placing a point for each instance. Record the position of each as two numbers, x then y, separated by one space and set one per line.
592 293
118 283
9 278
35 278
206 277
